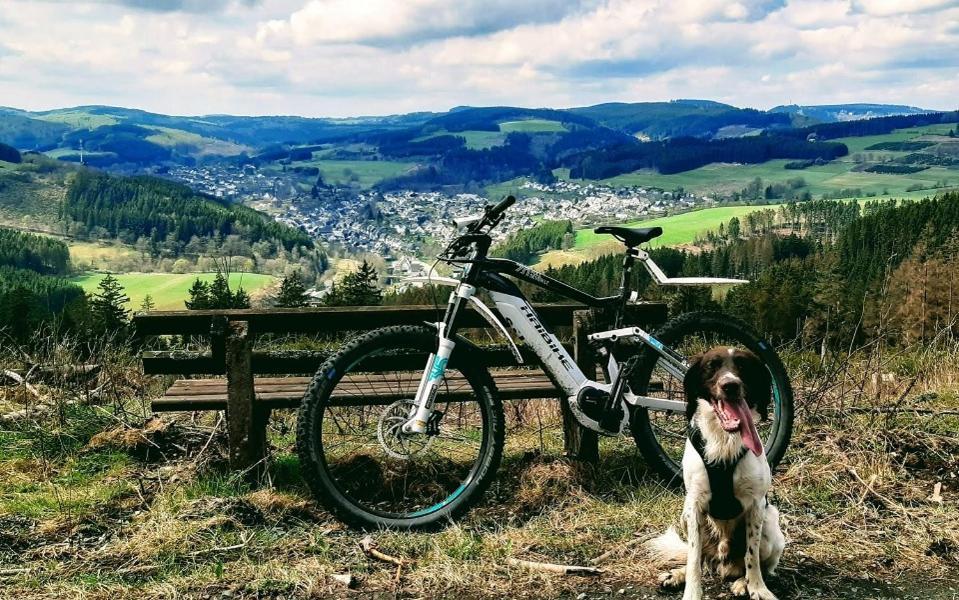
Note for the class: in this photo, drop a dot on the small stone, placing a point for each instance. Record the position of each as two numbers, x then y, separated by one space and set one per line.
581 596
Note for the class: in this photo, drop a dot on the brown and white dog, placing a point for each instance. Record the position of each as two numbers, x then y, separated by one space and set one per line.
729 525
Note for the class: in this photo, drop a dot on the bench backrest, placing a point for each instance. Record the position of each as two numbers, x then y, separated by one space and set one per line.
310 321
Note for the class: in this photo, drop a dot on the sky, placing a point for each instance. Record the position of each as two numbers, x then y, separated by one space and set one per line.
375 57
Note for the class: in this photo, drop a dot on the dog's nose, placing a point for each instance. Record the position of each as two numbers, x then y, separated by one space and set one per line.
731 388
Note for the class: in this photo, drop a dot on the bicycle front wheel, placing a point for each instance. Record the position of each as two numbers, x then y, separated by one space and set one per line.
352 450
661 435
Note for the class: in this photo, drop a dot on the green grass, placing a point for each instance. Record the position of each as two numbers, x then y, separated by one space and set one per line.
79 119
475 139
168 290
64 153
532 126
197 144
677 229
362 173
831 178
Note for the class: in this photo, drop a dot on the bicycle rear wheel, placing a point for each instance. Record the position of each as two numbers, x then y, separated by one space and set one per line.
661 435
352 450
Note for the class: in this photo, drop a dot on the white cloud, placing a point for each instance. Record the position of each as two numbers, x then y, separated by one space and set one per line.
885 8
333 57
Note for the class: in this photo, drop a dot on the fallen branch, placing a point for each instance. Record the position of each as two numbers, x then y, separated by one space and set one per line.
246 540
16 377
880 410
554 568
369 548
869 490
9 572
633 542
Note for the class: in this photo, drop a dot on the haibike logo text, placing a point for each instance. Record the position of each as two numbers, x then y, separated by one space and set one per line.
550 340
532 275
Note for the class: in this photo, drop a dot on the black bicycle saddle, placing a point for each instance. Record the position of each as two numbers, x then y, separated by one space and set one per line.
630 236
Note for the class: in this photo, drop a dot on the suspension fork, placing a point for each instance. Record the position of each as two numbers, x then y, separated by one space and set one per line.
436 363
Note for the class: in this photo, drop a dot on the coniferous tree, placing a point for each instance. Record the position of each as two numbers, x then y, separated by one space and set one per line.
148 304
108 307
220 294
292 292
358 288
240 299
199 295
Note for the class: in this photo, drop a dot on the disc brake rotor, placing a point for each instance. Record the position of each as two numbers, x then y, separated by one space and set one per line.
389 432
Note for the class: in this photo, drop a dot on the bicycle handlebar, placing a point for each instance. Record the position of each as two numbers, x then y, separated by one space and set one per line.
497 210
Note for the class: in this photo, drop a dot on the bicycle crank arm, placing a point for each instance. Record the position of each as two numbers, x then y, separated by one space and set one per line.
655 403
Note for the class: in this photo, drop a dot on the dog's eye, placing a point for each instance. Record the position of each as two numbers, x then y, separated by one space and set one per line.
715 363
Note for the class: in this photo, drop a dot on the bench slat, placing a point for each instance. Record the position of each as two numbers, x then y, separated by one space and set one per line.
359 318
275 363
286 392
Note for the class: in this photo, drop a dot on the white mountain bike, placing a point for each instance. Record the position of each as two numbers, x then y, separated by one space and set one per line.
385 442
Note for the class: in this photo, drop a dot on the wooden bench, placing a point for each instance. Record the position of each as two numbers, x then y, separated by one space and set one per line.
251 388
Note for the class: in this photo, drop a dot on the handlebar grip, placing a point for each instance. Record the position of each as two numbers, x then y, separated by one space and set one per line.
502 206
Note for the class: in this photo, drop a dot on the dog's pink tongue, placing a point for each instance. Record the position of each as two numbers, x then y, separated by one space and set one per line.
747 428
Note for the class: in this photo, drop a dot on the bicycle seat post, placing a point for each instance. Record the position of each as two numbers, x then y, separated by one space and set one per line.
625 286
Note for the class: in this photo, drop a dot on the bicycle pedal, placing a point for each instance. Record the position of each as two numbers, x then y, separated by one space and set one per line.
433 423
612 420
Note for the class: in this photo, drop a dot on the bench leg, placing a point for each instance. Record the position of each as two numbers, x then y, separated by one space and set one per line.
580 443
246 424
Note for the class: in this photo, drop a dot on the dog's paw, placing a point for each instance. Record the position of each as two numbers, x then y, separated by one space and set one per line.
762 593
738 587
730 570
673 578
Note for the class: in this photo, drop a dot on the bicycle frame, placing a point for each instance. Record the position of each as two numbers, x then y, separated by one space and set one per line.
522 319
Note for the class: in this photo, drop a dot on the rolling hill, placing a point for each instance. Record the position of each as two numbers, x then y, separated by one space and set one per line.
132 140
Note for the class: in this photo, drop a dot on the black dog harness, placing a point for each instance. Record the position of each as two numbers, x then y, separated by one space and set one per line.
723 504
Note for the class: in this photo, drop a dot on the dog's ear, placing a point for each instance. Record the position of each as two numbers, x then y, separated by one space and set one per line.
758 384
693 381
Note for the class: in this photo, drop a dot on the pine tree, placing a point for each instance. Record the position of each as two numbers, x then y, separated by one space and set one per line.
240 299
199 295
334 297
107 307
292 292
357 289
147 305
220 294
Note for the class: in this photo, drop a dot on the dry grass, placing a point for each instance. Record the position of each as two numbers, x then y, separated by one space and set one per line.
92 507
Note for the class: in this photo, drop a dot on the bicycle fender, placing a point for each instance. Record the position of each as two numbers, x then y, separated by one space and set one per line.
481 308
470 347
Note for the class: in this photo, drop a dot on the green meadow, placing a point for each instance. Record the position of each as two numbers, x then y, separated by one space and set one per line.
677 229
363 173
169 290
831 178
532 126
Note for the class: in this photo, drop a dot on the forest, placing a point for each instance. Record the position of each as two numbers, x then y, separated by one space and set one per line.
683 154
45 255
525 244
134 207
9 154
32 291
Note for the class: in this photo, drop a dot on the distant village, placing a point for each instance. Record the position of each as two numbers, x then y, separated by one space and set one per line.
407 227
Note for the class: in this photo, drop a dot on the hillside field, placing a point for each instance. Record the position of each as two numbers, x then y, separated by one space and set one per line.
168 290
831 178
677 230
364 173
